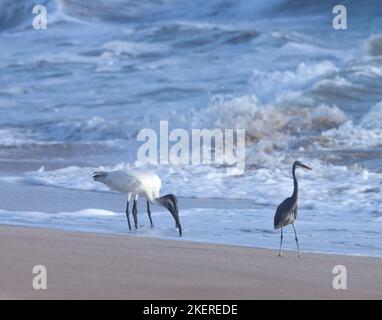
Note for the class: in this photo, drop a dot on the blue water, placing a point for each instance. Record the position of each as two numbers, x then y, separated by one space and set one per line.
78 93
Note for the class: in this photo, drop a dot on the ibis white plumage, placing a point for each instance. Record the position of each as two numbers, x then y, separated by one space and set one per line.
135 183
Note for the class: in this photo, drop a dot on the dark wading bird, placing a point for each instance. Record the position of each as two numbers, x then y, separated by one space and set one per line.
286 212
135 183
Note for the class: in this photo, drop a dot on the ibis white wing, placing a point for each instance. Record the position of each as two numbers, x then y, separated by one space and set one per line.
135 182
123 181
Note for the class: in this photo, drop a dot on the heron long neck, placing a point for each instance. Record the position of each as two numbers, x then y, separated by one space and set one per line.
295 183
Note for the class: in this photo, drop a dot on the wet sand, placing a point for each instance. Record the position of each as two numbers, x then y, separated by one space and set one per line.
95 266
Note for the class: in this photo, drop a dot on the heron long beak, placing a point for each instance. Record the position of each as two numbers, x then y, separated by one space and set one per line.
305 166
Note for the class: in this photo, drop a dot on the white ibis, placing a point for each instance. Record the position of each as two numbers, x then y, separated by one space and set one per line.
135 183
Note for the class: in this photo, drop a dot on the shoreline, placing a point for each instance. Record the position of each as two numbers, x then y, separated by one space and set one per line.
42 206
182 239
103 266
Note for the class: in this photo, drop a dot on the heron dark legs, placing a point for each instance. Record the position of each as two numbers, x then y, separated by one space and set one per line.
149 213
135 213
298 246
281 242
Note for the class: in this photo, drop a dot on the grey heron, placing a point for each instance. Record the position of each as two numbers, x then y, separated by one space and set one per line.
286 212
135 183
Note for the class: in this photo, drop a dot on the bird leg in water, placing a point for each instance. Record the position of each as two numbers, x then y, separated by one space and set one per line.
128 214
281 242
149 213
135 213
298 247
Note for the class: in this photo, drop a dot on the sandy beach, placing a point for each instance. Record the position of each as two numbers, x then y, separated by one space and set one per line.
226 103
85 265
95 266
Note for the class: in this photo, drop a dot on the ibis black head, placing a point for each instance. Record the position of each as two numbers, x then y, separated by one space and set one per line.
170 202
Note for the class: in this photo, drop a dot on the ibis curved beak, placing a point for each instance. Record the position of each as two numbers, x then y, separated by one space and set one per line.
175 213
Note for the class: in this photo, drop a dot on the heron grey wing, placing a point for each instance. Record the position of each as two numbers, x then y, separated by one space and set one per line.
277 218
281 213
295 212
284 213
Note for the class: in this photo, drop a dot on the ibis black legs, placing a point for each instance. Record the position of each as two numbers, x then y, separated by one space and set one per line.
128 214
174 213
135 214
149 213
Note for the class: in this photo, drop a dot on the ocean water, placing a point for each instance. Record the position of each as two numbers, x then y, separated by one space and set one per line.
77 93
